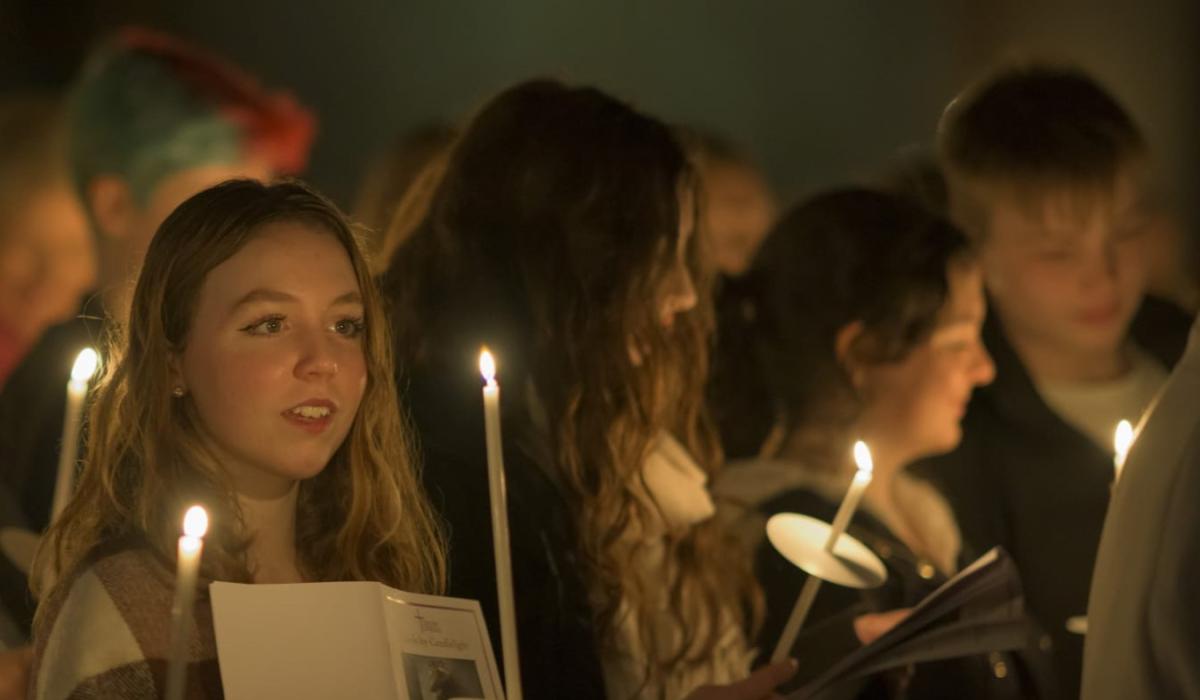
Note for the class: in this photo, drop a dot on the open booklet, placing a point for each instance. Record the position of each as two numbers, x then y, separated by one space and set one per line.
980 610
350 640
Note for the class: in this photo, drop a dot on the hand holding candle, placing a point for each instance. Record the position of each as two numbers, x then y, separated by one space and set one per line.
500 544
191 545
81 373
808 594
1122 441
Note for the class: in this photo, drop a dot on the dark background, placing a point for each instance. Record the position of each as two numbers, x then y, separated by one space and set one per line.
819 91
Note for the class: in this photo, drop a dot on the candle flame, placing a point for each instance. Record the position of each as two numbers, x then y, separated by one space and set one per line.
1123 439
195 522
85 365
487 366
862 457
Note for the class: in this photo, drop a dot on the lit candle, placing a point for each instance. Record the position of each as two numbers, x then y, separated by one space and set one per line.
1122 441
499 506
81 373
191 544
808 594
858 486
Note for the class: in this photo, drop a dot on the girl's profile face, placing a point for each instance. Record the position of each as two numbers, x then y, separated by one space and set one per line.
918 403
274 359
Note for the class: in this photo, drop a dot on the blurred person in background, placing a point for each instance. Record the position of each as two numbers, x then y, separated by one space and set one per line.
402 175
46 258
737 207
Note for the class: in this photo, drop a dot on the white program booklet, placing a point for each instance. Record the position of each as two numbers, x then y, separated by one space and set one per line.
350 640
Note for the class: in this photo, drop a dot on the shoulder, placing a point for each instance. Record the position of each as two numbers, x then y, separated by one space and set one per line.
87 634
108 633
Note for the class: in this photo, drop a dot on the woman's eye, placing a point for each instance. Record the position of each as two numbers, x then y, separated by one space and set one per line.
267 326
349 327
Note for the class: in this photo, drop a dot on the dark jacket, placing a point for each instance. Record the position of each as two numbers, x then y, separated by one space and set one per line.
1024 479
829 635
559 657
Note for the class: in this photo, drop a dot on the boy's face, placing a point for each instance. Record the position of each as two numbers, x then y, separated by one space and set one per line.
1066 273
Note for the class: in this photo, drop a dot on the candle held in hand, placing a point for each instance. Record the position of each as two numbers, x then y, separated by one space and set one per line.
191 546
858 486
500 544
812 585
85 367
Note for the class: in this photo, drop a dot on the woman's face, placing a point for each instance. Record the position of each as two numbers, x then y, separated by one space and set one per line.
274 360
47 262
916 405
677 291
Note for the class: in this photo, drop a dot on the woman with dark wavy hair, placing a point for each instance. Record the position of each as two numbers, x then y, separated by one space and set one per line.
561 237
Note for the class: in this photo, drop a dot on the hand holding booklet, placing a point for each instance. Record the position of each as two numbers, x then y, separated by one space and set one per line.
980 610
351 640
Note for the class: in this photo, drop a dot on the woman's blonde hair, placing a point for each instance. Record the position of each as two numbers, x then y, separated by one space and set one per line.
364 517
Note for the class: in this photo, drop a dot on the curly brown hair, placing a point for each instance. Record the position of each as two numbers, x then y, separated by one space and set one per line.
554 226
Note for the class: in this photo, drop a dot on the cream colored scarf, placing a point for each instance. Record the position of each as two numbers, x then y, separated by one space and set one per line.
674 489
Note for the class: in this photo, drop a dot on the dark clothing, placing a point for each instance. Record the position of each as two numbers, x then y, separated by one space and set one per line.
1026 480
559 656
829 633
31 421
31 414
739 398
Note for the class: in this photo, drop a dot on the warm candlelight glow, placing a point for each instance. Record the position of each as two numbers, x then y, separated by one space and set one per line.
85 365
487 366
862 457
195 522
1123 439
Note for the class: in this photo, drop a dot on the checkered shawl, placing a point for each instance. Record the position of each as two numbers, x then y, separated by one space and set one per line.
108 635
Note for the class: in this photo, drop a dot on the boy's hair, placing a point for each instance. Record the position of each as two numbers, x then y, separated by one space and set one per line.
148 105
1033 127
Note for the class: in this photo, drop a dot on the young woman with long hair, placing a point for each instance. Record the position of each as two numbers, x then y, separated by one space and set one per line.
255 378
561 236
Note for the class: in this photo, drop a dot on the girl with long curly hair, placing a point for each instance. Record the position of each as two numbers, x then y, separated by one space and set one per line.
561 236
255 377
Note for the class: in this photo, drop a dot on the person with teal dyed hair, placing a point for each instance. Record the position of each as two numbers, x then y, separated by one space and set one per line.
151 120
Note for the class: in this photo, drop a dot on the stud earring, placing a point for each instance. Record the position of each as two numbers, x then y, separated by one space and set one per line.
177 392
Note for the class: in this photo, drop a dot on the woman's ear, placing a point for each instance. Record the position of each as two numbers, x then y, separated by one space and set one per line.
175 372
844 345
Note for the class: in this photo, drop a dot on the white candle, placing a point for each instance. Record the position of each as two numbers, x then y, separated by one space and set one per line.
500 545
81 373
191 545
858 486
808 594
1122 441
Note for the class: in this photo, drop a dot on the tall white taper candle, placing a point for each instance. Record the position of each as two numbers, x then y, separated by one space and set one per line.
500 544
81 373
191 546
